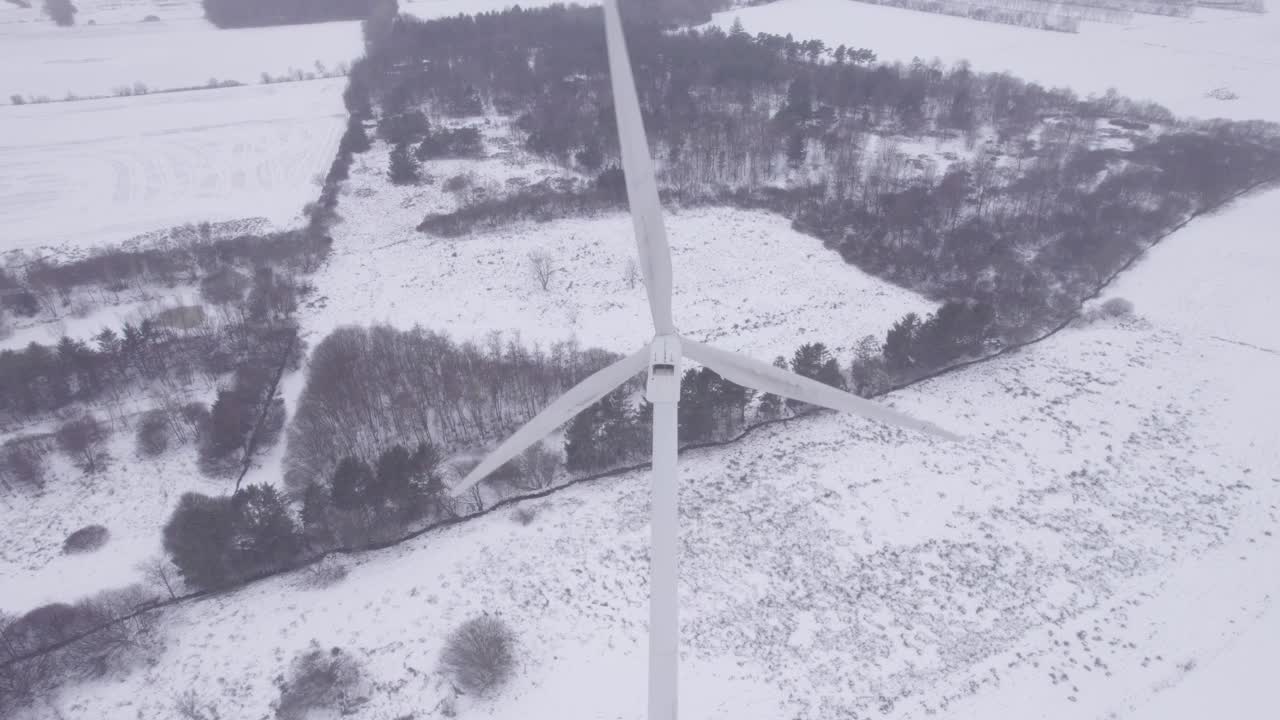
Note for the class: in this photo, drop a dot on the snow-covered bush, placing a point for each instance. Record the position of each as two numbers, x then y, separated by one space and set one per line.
325 573
480 655
321 680
1117 307
153 433
86 539
524 514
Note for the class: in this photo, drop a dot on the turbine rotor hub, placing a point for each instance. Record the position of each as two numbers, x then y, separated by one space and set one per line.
663 384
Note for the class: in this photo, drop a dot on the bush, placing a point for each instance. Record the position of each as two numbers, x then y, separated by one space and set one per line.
538 467
106 646
480 655
329 571
86 539
224 286
62 12
22 462
153 433
1117 307
319 679
22 303
524 514
82 440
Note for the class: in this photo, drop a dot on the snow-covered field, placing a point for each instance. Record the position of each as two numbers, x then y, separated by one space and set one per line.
743 280
181 49
101 171
1048 566
1173 61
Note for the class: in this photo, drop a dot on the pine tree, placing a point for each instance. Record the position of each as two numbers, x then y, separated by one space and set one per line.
350 484
198 537
393 478
265 534
770 404
796 150
899 344
403 169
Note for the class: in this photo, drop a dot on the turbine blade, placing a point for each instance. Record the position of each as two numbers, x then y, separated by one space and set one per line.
642 185
574 401
762 376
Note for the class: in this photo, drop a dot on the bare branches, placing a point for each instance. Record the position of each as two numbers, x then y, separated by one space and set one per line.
540 264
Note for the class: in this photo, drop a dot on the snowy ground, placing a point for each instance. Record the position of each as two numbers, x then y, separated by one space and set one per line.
1049 566
101 171
1173 61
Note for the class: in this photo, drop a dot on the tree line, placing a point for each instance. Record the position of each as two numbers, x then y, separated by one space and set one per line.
252 13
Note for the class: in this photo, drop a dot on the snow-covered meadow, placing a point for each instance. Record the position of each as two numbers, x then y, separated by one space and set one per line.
98 172
1176 62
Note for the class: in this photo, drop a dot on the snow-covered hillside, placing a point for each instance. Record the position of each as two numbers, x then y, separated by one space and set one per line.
1173 61
101 171
833 567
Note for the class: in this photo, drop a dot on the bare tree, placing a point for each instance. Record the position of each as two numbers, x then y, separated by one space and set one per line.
540 264
631 273
191 706
160 572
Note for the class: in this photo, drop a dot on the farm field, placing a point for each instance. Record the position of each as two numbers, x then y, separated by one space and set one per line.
1173 61
83 174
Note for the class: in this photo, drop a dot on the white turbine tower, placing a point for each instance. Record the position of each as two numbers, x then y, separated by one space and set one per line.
661 357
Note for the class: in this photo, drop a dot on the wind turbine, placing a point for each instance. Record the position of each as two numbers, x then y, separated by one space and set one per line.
661 358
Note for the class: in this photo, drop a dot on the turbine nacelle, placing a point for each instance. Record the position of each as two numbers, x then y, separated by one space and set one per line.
663 383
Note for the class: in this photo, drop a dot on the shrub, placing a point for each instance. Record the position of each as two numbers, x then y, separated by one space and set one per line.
86 539
538 467
480 655
82 439
403 167
22 462
22 303
329 571
17 99
153 433
191 706
224 286
105 647
524 514
62 12
1117 307
457 183
321 680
